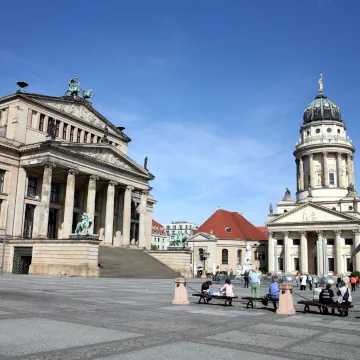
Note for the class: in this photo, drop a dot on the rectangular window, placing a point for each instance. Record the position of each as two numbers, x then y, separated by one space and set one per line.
332 178
32 184
85 137
72 134
77 197
78 135
280 263
331 264
330 241
296 264
41 122
57 124
348 241
55 190
296 242
2 180
64 131
349 265
280 242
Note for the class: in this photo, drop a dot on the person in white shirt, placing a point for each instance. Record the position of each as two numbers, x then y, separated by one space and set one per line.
344 294
228 288
303 279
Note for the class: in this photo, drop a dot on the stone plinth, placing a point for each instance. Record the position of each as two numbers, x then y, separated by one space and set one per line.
178 259
286 302
180 292
84 237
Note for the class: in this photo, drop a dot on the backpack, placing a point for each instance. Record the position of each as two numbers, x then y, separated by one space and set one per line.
346 295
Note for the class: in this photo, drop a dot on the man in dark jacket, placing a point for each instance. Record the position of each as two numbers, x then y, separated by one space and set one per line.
246 278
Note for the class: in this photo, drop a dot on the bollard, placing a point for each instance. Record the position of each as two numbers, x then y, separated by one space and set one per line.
286 302
180 292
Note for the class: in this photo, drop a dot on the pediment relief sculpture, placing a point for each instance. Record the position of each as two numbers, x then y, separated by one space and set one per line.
80 112
106 158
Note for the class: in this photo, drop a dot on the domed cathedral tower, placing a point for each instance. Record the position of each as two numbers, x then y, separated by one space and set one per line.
319 233
324 155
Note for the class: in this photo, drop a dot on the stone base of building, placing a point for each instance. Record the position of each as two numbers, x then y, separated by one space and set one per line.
49 257
178 259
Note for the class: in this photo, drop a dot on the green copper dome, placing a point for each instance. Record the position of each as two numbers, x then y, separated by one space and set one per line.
322 109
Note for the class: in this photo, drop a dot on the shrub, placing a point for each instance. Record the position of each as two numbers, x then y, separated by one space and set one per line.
355 274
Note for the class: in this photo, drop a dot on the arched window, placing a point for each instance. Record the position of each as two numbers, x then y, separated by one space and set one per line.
239 253
224 256
201 251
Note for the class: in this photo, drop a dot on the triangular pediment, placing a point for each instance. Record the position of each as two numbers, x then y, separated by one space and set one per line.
311 213
78 109
202 237
107 155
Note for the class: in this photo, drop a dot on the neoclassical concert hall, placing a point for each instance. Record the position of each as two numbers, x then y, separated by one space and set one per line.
318 232
60 158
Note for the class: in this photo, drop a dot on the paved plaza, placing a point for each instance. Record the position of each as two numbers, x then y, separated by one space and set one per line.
109 319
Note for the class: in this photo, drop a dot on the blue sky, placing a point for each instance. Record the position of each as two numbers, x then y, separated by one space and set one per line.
212 92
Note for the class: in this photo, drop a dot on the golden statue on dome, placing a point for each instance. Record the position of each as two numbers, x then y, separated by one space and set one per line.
320 82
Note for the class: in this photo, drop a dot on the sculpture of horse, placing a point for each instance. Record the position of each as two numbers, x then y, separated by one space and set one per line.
83 227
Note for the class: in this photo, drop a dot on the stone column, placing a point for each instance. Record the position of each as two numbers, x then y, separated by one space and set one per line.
340 172
120 220
304 262
312 172
90 203
61 128
271 253
325 257
286 252
45 200
350 169
319 254
127 215
109 217
356 258
325 170
69 203
338 256
276 258
19 203
301 173
142 220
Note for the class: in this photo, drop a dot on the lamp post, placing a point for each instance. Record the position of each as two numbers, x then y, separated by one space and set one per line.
205 256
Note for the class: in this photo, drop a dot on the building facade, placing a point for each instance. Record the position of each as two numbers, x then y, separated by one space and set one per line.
61 158
180 226
159 239
229 243
318 232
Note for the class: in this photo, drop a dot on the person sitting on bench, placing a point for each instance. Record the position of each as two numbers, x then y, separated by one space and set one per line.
228 288
205 287
344 294
274 290
326 295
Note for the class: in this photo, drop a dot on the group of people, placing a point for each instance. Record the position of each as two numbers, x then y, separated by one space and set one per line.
227 290
306 280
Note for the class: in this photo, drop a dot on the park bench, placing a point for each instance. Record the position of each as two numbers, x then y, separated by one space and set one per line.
324 308
263 300
206 298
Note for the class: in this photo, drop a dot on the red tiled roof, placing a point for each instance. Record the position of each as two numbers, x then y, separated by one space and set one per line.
157 228
263 229
240 227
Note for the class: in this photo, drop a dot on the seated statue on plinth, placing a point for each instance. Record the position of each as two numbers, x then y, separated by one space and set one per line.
83 227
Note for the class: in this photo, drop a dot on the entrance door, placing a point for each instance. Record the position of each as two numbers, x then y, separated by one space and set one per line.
29 221
52 223
22 259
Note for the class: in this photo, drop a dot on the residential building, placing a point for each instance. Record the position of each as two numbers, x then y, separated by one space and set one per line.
159 238
180 226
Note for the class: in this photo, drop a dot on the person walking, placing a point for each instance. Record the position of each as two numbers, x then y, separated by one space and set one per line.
309 280
315 281
255 285
338 281
303 280
246 278
353 283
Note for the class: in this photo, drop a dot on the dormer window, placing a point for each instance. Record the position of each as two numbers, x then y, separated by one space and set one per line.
228 229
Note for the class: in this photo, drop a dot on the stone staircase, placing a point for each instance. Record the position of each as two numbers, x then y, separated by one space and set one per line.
131 263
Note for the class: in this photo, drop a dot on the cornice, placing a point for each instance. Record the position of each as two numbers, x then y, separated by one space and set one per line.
309 148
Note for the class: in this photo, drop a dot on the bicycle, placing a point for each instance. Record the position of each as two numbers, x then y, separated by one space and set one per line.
64 273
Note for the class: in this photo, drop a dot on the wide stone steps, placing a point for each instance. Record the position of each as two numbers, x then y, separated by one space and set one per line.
131 263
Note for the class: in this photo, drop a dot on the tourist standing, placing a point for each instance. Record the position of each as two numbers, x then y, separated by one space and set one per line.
338 281
353 283
309 280
303 280
255 284
315 281
246 278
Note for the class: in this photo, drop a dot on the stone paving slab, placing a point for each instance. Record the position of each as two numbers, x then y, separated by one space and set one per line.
276 330
188 351
27 336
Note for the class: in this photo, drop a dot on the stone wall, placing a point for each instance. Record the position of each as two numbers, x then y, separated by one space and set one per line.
49 257
178 260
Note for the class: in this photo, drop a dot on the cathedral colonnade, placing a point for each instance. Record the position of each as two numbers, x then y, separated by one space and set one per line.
314 251
48 208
